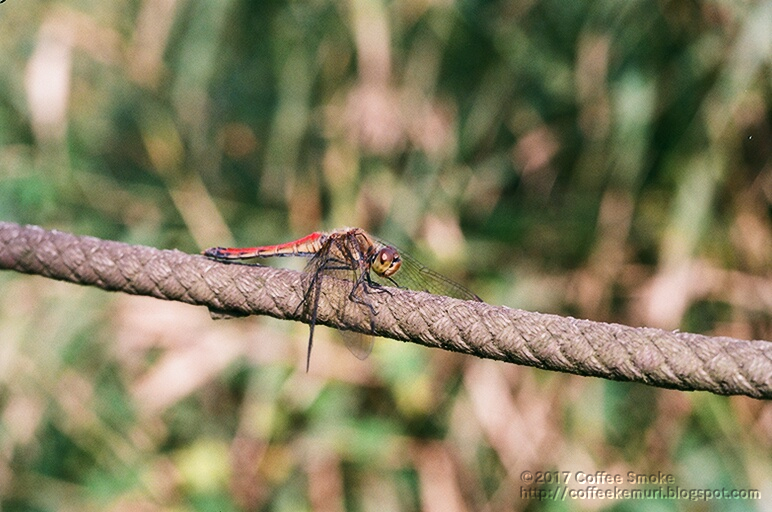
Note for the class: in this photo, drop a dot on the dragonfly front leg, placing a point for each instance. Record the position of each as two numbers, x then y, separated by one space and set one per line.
373 286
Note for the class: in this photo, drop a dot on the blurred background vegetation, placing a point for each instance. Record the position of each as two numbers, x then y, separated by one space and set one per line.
610 160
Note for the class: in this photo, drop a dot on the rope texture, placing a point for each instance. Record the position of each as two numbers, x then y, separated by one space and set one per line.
656 357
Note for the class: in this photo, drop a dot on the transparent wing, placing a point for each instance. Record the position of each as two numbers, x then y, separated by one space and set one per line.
415 276
338 259
358 344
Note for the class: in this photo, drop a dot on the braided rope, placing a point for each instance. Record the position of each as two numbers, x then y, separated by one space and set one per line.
675 360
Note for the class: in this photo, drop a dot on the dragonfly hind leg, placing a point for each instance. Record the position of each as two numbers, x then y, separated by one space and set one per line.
367 286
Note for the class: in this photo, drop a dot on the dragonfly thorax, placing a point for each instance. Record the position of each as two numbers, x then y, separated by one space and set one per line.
386 262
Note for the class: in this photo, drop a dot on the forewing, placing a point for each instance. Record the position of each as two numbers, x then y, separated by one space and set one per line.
415 276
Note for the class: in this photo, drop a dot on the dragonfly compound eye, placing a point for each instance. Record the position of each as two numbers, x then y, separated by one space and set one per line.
387 262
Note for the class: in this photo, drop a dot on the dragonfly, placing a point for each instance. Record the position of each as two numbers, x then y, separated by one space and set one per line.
355 255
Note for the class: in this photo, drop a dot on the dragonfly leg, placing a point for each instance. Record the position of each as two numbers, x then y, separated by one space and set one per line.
372 286
355 297
362 302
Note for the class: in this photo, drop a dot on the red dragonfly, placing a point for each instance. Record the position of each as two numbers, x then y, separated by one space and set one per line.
353 254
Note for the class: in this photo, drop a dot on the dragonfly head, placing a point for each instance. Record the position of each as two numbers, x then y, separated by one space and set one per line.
386 262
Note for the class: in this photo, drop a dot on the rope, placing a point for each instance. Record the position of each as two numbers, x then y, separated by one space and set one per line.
656 357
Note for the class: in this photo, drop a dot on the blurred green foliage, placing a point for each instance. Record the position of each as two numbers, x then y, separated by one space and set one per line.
609 159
